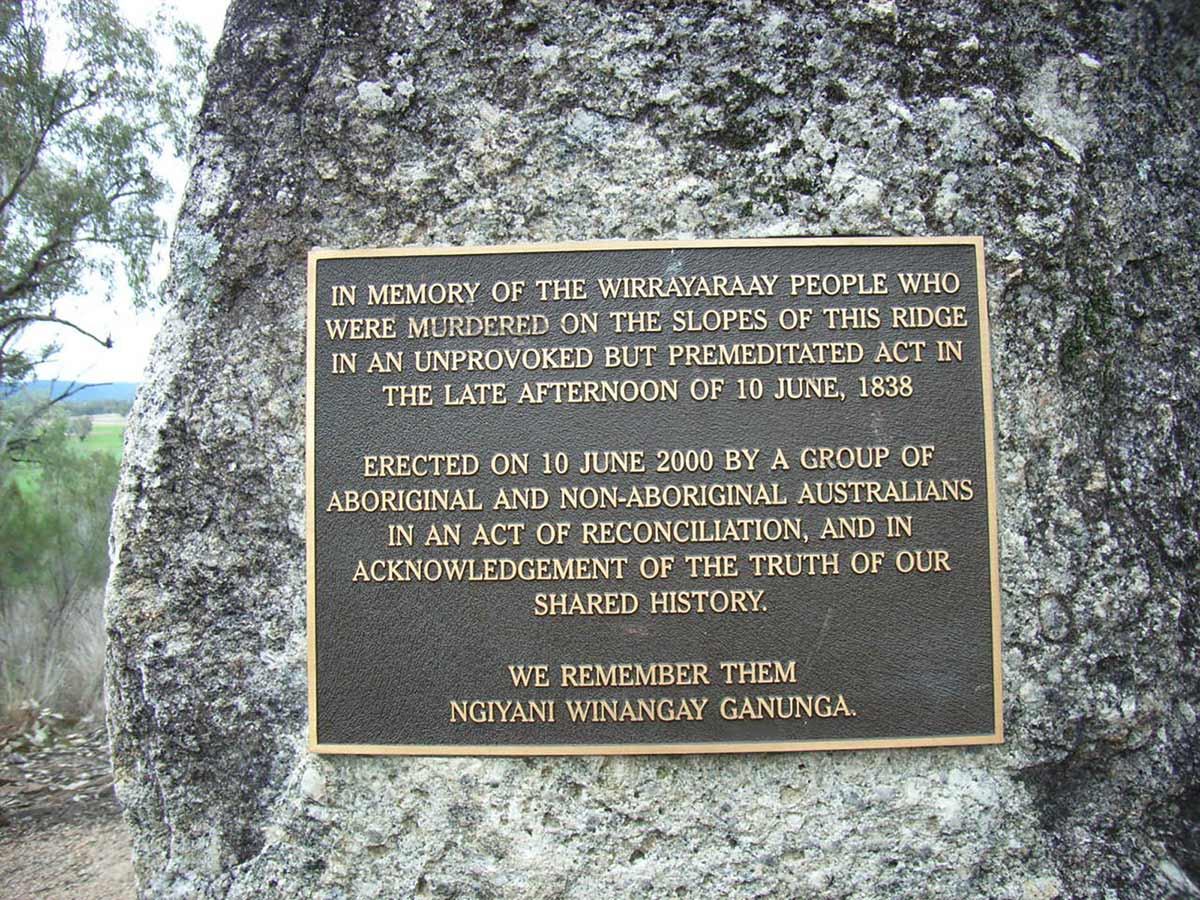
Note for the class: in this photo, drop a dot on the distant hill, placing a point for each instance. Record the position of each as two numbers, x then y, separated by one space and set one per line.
117 393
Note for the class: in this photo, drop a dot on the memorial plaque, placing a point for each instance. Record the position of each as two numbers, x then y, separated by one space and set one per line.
670 497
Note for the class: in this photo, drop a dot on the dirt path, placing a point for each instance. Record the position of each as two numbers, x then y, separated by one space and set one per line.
61 834
71 861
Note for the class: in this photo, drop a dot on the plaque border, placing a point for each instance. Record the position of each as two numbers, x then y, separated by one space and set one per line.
996 736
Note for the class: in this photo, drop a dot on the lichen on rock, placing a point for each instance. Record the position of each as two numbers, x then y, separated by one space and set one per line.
1065 135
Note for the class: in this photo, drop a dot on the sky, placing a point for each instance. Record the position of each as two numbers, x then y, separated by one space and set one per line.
81 359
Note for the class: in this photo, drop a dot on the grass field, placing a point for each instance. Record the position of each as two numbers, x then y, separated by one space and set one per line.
105 437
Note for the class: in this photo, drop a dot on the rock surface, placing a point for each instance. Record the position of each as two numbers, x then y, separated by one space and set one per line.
1065 134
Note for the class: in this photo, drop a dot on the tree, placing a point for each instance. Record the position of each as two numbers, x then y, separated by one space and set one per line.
54 530
86 108
53 564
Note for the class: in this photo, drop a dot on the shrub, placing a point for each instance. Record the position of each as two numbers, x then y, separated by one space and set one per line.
53 563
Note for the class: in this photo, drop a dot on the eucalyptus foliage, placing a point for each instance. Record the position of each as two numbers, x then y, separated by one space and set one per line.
86 108
54 522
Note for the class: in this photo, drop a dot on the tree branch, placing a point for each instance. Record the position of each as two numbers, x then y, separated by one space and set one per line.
47 125
17 321
10 437
37 264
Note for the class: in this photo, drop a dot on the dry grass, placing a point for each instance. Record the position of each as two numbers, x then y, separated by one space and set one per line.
52 653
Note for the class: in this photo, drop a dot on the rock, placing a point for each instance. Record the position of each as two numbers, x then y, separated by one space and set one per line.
1066 135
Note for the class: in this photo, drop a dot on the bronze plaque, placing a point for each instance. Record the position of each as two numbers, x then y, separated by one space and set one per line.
669 497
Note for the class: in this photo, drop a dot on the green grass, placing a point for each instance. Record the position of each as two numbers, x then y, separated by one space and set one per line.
25 478
104 438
